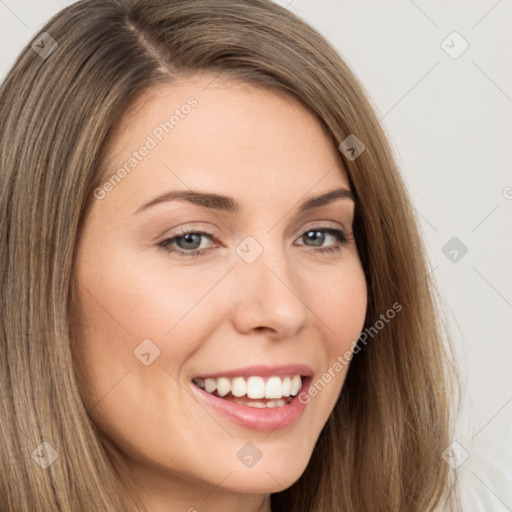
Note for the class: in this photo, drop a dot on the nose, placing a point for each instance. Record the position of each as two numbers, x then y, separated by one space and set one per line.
268 296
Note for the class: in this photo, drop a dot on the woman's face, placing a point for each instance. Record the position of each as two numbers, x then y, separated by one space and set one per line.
266 287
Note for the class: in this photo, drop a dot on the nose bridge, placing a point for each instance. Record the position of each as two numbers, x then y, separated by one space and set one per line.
270 294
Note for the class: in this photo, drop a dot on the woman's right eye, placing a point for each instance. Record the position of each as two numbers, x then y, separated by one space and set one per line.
189 244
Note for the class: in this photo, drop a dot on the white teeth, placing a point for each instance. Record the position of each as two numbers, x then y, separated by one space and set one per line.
287 386
223 386
254 387
261 405
274 388
238 386
210 385
296 384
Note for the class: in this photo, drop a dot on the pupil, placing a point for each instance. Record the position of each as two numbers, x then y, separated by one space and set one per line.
316 236
191 238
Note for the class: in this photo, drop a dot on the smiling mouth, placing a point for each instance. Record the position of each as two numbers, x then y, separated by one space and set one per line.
254 391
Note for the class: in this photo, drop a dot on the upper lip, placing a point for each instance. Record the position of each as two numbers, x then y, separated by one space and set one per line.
283 370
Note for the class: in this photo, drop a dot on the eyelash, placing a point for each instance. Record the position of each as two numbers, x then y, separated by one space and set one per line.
165 244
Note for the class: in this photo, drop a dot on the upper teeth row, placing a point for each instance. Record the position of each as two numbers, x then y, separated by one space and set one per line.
253 387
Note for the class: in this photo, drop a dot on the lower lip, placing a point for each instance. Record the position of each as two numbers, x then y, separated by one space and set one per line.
264 420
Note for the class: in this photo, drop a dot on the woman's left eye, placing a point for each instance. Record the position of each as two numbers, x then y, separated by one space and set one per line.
189 244
319 235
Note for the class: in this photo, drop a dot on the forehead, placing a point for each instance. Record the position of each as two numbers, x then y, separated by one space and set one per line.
220 135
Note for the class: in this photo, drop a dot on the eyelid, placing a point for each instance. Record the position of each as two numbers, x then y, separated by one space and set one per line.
181 231
323 225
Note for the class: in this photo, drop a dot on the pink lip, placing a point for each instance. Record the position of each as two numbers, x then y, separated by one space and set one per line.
264 420
262 371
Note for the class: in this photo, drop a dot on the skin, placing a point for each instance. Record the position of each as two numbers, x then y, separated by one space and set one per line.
214 312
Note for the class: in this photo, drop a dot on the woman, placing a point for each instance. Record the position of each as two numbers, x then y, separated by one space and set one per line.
143 370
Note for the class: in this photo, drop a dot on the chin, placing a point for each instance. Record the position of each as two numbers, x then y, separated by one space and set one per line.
266 478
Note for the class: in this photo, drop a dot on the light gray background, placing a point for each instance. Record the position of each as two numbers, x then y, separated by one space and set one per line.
449 121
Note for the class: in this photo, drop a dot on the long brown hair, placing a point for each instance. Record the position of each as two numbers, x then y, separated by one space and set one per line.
381 447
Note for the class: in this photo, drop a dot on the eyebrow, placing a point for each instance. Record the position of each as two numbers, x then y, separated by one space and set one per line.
230 205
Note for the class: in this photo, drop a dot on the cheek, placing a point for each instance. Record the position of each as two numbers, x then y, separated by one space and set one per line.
341 310
119 309
340 301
